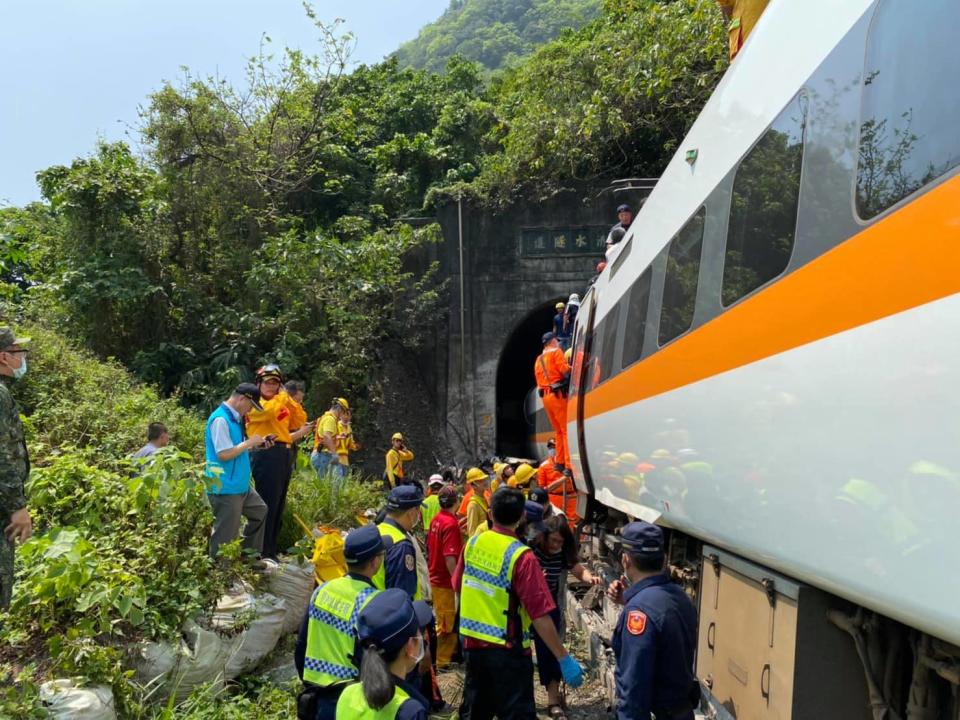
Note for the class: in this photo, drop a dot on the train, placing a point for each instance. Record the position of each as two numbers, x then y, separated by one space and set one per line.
769 367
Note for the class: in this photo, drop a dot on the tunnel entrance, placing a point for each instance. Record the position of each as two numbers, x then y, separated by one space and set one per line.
515 378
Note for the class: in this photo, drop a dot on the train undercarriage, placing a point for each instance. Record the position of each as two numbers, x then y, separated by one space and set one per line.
770 647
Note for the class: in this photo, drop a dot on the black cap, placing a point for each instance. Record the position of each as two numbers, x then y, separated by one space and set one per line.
624 208
362 544
547 337
404 497
643 539
539 495
251 392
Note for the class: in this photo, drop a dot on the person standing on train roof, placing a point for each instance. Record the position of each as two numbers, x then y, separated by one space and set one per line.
326 643
391 643
656 634
552 373
741 15
503 593
282 421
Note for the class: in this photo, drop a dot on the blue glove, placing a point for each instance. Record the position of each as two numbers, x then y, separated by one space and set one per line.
572 672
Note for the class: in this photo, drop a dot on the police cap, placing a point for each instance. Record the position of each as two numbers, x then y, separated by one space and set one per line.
362 544
642 539
623 208
388 620
404 497
533 511
539 495
547 337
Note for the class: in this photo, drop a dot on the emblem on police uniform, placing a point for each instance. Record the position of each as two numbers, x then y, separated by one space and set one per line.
636 622
410 562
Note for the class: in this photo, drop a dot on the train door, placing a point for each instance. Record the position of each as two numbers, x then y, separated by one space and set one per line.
582 345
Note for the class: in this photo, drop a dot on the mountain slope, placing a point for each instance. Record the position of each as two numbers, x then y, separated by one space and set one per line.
493 32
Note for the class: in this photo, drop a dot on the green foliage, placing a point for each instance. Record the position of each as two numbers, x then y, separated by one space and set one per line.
75 400
253 699
317 501
612 100
495 33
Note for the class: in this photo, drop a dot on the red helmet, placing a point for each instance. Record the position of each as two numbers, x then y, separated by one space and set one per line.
269 371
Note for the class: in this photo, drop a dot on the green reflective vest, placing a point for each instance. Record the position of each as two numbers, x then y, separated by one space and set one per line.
331 630
352 705
388 530
429 509
488 564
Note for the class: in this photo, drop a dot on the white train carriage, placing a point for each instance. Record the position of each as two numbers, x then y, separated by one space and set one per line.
771 364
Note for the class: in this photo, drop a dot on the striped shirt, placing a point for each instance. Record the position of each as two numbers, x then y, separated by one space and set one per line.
553 566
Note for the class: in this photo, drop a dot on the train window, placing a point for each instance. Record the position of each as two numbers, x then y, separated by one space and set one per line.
604 346
619 260
763 208
637 318
680 282
909 134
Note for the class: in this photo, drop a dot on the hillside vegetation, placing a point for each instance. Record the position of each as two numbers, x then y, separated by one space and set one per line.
494 33
266 222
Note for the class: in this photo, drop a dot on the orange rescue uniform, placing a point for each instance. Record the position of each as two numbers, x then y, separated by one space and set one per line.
281 414
557 484
550 368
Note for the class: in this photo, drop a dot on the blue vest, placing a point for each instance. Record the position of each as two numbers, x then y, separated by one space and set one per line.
233 476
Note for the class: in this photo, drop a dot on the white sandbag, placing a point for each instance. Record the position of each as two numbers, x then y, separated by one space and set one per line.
262 617
200 657
293 583
65 700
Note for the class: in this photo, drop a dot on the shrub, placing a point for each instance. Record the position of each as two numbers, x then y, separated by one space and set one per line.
74 400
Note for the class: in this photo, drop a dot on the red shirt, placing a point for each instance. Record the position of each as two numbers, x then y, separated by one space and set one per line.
444 540
528 585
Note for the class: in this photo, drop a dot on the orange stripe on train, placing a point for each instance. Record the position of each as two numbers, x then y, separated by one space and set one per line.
906 260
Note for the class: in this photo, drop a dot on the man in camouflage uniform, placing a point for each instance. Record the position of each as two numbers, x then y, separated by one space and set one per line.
14 463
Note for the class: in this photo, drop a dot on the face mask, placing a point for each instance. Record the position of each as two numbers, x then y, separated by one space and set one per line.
22 370
421 652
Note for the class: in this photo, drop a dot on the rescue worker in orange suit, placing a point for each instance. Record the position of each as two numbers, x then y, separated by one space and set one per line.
560 488
283 421
656 633
552 372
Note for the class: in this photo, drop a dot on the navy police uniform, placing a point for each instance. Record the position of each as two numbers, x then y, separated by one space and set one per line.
326 646
400 564
655 639
385 624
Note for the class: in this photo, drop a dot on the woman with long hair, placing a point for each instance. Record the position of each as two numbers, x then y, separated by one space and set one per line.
390 628
556 548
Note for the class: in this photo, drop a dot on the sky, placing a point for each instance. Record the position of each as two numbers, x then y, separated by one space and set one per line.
75 70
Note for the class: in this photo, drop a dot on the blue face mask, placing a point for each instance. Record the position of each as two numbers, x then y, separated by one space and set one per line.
22 370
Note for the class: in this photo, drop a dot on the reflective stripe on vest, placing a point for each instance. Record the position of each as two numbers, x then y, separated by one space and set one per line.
352 704
331 630
388 530
488 565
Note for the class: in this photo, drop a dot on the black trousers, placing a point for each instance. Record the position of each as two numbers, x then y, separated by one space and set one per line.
271 473
499 683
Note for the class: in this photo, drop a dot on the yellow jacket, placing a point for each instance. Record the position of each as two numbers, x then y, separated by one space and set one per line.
476 513
281 414
395 460
345 442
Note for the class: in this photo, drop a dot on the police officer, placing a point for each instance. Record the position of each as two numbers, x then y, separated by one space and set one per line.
400 568
656 634
14 462
325 650
390 628
502 593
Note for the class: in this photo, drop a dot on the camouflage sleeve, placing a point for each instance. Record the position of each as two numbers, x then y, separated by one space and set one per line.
13 456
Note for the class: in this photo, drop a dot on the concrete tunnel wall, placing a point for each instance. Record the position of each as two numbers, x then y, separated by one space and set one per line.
517 263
